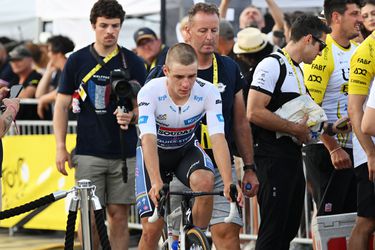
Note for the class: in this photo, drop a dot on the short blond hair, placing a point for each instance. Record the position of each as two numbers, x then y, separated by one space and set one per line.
182 53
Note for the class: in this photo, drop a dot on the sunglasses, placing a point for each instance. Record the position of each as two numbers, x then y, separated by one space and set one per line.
322 44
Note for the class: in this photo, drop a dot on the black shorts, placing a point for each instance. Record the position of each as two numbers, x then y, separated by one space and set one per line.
366 195
181 162
341 194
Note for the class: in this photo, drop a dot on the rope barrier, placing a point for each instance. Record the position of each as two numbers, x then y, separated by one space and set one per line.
32 205
84 192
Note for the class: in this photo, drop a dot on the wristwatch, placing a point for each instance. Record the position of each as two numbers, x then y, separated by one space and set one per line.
249 167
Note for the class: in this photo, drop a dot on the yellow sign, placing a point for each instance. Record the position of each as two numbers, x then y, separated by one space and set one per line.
29 173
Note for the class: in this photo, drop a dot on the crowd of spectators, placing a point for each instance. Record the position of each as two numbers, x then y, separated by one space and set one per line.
38 68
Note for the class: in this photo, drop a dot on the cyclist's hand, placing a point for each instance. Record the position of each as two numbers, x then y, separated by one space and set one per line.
239 196
154 192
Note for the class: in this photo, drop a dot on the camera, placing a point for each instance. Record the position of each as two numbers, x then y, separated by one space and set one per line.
122 86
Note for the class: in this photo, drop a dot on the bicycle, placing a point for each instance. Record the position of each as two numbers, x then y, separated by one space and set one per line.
190 236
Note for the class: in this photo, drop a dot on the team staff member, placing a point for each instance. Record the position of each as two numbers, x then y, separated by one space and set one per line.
329 162
202 34
361 78
98 149
170 108
279 161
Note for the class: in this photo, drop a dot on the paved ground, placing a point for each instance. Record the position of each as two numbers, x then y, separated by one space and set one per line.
40 240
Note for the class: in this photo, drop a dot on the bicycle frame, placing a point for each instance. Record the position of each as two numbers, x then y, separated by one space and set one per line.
186 221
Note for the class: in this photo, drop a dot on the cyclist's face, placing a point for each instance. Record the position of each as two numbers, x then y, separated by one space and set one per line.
368 15
180 79
107 31
203 32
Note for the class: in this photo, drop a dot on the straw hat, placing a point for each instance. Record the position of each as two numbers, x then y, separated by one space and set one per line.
250 40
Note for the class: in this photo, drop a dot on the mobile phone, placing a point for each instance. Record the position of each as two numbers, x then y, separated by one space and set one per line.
15 90
343 125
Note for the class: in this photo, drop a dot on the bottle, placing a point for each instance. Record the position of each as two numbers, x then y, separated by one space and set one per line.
175 245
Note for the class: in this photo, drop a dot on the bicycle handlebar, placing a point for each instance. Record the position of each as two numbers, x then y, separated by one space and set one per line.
233 204
164 192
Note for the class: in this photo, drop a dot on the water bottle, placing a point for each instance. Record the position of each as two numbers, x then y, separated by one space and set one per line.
175 245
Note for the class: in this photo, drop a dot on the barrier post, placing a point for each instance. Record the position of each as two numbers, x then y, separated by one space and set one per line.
84 188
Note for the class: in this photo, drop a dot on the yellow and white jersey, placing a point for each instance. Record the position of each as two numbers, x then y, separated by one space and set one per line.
362 73
327 81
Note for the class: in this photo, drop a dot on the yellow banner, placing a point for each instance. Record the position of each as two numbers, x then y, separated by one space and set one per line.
29 173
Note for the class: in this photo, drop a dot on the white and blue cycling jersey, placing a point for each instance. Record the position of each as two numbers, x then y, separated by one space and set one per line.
174 125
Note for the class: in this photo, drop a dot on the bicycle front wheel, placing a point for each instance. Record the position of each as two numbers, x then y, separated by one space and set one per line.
196 240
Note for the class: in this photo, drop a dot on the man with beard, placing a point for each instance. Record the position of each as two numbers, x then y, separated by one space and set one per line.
329 161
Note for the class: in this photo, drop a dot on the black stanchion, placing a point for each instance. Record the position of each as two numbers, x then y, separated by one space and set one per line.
84 192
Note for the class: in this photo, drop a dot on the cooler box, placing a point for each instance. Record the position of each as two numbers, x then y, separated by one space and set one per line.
332 231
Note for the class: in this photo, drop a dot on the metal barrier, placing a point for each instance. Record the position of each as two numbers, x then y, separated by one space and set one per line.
251 216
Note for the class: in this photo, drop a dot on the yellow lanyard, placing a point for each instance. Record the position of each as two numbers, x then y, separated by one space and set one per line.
81 90
215 77
205 138
294 69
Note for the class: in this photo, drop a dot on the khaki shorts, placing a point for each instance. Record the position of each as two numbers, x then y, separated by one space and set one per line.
106 175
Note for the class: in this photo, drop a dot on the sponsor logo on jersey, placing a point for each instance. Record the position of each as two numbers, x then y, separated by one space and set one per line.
200 83
162 124
357 81
221 87
315 78
218 101
363 61
198 98
192 119
186 109
174 137
220 117
360 71
315 90
162 98
318 67
172 108
162 117
142 119
345 74
344 89
143 104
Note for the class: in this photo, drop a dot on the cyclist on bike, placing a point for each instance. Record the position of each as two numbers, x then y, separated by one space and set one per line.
170 108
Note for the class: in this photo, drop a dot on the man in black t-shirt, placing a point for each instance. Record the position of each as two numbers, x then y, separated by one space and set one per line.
279 161
224 73
22 65
100 153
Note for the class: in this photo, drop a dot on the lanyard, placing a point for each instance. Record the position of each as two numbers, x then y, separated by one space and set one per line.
205 138
215 77
81 90
294 69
